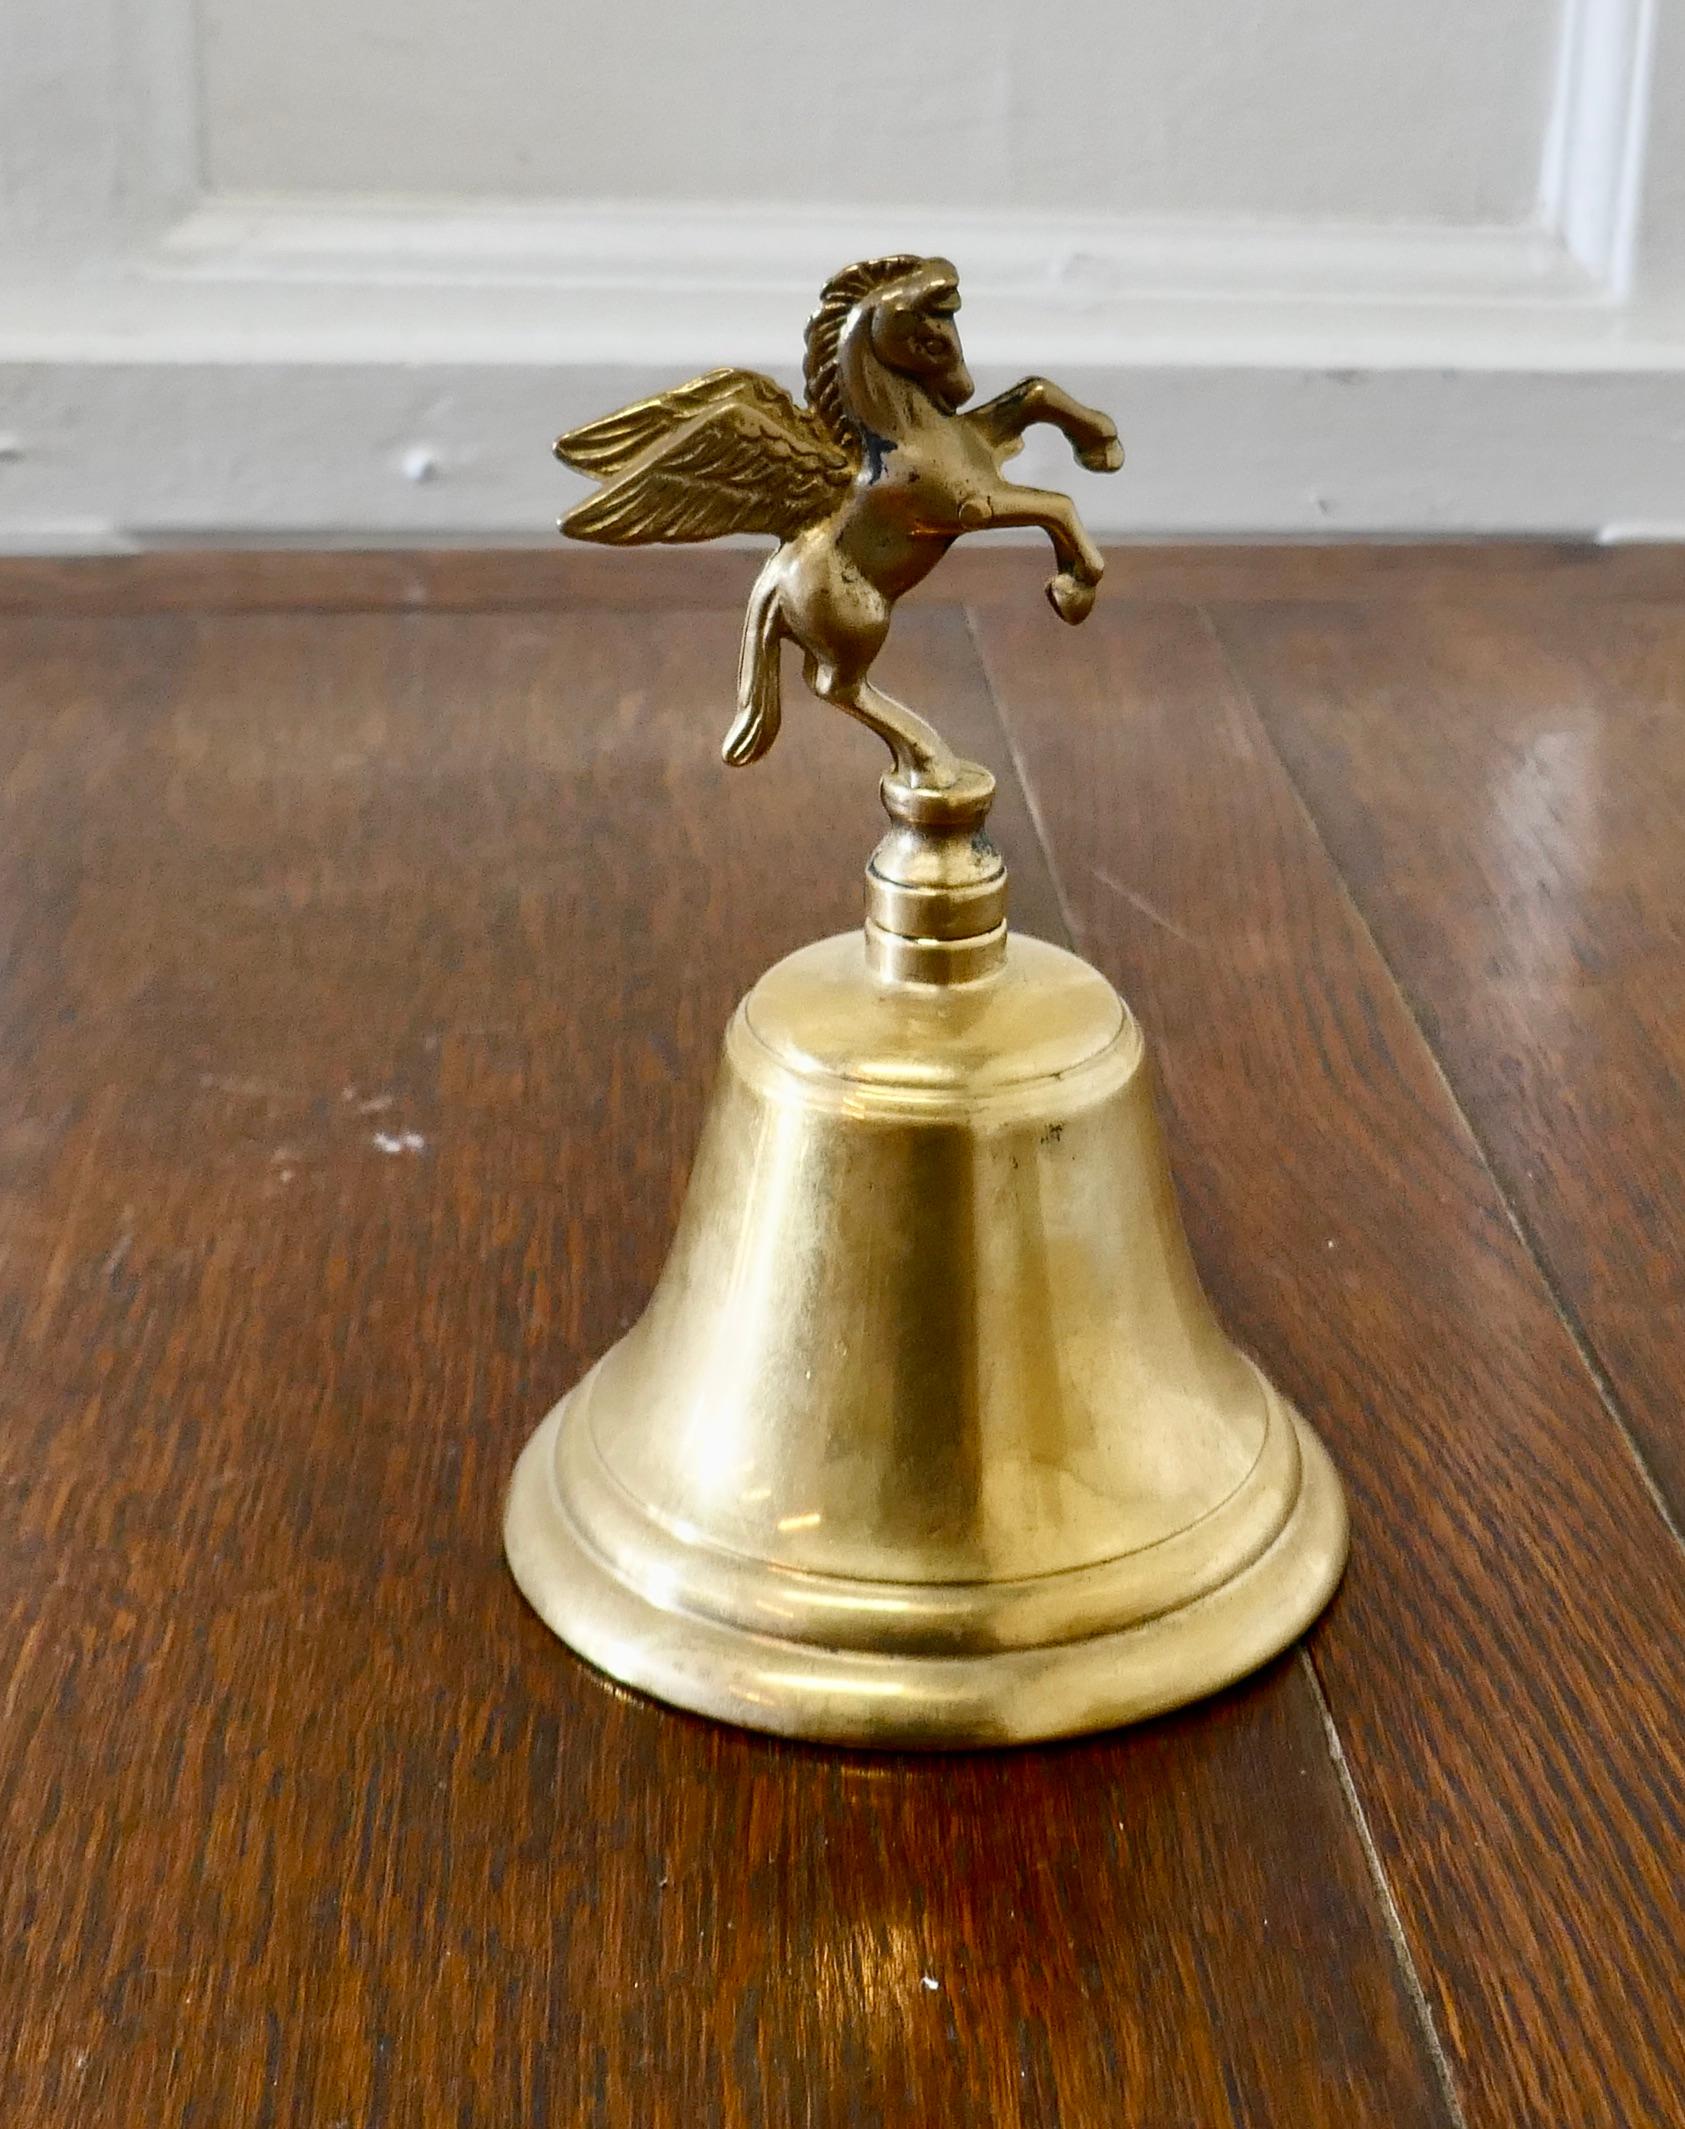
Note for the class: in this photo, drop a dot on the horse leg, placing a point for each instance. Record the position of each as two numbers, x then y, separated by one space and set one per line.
921 754
1091 435
759 706
1081 564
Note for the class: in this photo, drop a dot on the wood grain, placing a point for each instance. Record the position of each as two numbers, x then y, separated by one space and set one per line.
1502 1666
1513 837
362 979
548 576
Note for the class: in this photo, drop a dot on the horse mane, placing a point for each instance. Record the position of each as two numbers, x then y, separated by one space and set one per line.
824 333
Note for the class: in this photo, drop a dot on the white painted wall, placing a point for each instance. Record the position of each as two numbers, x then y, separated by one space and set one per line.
341 267
1344 110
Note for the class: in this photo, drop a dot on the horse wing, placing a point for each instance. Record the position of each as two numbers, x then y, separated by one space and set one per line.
616 441
742 462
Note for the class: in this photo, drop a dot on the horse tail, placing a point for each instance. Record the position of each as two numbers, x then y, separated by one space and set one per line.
759 699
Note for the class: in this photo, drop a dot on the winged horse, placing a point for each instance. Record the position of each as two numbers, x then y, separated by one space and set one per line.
866 487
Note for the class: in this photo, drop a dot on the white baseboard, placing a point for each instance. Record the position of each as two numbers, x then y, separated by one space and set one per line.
290 373
120 454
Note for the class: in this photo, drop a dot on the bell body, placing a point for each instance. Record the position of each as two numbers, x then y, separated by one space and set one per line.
928 1435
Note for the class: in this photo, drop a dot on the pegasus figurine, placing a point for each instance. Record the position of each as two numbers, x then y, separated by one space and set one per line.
865 488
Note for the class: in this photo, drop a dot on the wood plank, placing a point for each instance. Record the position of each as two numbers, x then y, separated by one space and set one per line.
547 576
1502 1664
1512 835
363 976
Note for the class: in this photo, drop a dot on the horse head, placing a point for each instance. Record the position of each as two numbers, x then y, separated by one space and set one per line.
883 338
913 332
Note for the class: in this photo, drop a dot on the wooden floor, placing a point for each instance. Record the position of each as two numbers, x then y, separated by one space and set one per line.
367 926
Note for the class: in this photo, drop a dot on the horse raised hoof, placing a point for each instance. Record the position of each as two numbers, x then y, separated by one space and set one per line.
1070 598
1102 457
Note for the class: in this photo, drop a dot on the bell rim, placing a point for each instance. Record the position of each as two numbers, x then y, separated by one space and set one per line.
895 1701
701 1573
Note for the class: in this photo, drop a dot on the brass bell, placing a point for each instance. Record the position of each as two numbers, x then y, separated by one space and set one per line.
928 1435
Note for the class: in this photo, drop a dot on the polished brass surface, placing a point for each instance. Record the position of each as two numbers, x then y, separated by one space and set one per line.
928 1435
